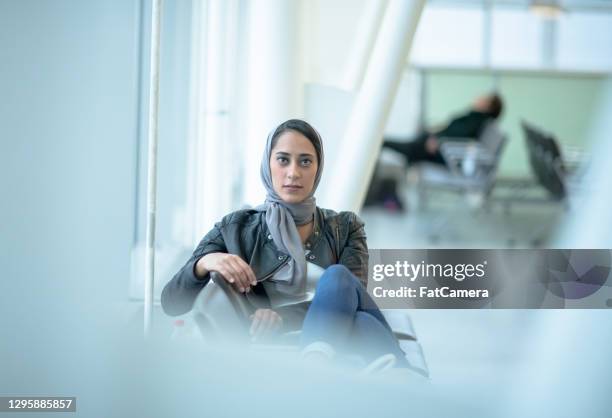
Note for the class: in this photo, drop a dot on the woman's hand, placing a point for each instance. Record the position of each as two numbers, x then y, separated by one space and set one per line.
265 322
233 269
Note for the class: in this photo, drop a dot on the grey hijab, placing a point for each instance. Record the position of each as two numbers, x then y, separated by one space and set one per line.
283 218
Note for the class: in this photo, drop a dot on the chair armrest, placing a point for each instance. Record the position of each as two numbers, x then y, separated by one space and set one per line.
459 151
400 323
574 157
466 158
220 312
238 301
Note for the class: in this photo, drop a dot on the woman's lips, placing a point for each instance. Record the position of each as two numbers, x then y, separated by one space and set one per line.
292 188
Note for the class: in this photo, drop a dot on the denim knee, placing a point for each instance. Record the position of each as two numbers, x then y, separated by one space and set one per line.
337 277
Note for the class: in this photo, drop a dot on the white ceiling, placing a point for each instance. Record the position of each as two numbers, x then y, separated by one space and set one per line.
570 5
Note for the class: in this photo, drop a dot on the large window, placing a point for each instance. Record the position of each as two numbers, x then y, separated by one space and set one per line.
516 39
509 35
197 173
449 35
585 41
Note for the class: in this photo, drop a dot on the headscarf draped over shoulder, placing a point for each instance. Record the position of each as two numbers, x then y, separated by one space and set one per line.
283 218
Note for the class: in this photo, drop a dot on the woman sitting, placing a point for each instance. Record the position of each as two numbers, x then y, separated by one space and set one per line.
300 267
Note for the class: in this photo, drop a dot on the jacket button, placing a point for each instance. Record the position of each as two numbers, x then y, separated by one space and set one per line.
281 257
311 257
269 236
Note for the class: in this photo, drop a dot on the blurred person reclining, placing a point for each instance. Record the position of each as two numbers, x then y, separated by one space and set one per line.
426 145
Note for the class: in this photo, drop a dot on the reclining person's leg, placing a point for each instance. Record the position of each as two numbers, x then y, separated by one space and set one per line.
413 151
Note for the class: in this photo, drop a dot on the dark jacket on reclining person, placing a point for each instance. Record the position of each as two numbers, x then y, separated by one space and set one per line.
337 238
465 127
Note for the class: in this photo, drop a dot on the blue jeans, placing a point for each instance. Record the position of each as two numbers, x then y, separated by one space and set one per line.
343 314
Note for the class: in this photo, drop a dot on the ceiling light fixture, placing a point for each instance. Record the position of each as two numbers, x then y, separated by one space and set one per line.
546 9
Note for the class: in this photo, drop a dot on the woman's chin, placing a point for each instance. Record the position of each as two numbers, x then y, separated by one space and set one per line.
291 198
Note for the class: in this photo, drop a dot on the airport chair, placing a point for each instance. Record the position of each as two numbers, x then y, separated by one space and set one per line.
546 161
221 313
471 166
470 171
551 174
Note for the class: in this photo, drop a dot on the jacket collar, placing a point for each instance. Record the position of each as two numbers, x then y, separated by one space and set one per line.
314 238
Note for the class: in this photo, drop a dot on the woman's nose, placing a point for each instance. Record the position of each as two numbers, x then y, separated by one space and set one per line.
293 172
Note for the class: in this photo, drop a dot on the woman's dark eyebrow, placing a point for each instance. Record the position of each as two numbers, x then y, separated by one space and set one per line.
283 153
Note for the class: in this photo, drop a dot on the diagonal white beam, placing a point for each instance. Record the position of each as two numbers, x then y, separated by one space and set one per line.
365 35
363 136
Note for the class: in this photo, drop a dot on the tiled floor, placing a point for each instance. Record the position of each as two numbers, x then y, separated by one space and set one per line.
474 342
450 222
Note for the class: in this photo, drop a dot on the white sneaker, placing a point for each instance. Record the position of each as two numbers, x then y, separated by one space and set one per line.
318 352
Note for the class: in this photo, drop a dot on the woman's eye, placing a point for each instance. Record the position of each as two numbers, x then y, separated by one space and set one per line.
282 160
306 162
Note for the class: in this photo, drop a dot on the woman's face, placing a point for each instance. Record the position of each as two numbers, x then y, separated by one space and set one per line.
293 165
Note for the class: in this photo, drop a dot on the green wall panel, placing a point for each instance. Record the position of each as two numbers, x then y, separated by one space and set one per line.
566 105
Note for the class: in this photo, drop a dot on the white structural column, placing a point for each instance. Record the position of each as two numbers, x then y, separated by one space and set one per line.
152 166
273 81
361 142
365 35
